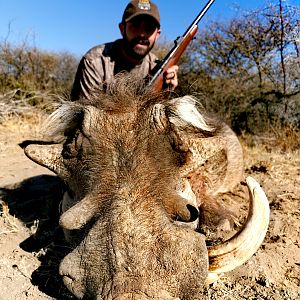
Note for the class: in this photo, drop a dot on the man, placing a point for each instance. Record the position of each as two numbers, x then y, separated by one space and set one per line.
140 28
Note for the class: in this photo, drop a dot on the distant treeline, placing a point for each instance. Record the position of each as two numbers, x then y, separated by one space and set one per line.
246 70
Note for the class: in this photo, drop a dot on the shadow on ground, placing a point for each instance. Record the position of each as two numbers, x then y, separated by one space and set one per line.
35 201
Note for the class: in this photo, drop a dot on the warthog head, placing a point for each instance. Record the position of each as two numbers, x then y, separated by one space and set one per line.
136 164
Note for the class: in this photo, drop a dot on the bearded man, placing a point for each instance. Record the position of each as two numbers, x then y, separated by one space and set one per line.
140 29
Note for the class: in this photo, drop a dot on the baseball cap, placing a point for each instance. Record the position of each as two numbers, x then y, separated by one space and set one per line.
141 7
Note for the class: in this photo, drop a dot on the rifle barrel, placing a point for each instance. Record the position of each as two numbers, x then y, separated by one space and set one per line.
200 15
191 30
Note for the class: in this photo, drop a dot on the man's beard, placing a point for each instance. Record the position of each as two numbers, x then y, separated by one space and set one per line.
134 52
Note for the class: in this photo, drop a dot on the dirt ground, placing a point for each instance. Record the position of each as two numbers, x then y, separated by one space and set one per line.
31 242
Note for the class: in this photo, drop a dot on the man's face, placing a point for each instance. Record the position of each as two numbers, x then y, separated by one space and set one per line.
139 34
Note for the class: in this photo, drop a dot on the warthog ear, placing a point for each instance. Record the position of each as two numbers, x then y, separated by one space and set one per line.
69 117
182 114
49 154
215 151
65 119
61 123
187 121
186 113
159 118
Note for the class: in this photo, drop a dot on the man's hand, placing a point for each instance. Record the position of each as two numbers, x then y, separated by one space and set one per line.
170 77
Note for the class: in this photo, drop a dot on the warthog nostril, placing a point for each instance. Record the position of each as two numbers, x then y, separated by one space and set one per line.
188 213
194 213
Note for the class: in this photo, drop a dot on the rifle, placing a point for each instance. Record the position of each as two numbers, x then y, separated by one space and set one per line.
175 53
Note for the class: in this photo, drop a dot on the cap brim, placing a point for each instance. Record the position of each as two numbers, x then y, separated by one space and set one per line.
141 14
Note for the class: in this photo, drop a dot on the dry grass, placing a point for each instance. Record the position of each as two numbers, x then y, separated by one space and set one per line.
288 138
282 139
11 224
18 104
21 124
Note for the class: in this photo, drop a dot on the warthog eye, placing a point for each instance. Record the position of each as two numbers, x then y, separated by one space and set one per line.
73 145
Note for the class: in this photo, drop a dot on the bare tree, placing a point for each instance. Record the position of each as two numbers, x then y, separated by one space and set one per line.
247 66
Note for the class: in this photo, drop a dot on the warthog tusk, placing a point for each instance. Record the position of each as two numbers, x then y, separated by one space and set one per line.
238 249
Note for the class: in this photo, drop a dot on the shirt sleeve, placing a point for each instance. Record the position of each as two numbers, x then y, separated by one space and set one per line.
87 80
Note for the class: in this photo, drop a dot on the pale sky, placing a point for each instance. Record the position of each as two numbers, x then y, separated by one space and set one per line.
77 25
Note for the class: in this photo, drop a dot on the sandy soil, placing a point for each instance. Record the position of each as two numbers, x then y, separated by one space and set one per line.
31 243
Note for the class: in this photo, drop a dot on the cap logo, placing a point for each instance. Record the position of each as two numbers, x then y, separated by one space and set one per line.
144 5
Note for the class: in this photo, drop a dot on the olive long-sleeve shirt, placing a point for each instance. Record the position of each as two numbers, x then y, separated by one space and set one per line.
99 66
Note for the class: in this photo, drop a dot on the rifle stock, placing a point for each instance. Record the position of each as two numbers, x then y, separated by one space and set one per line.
176 52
